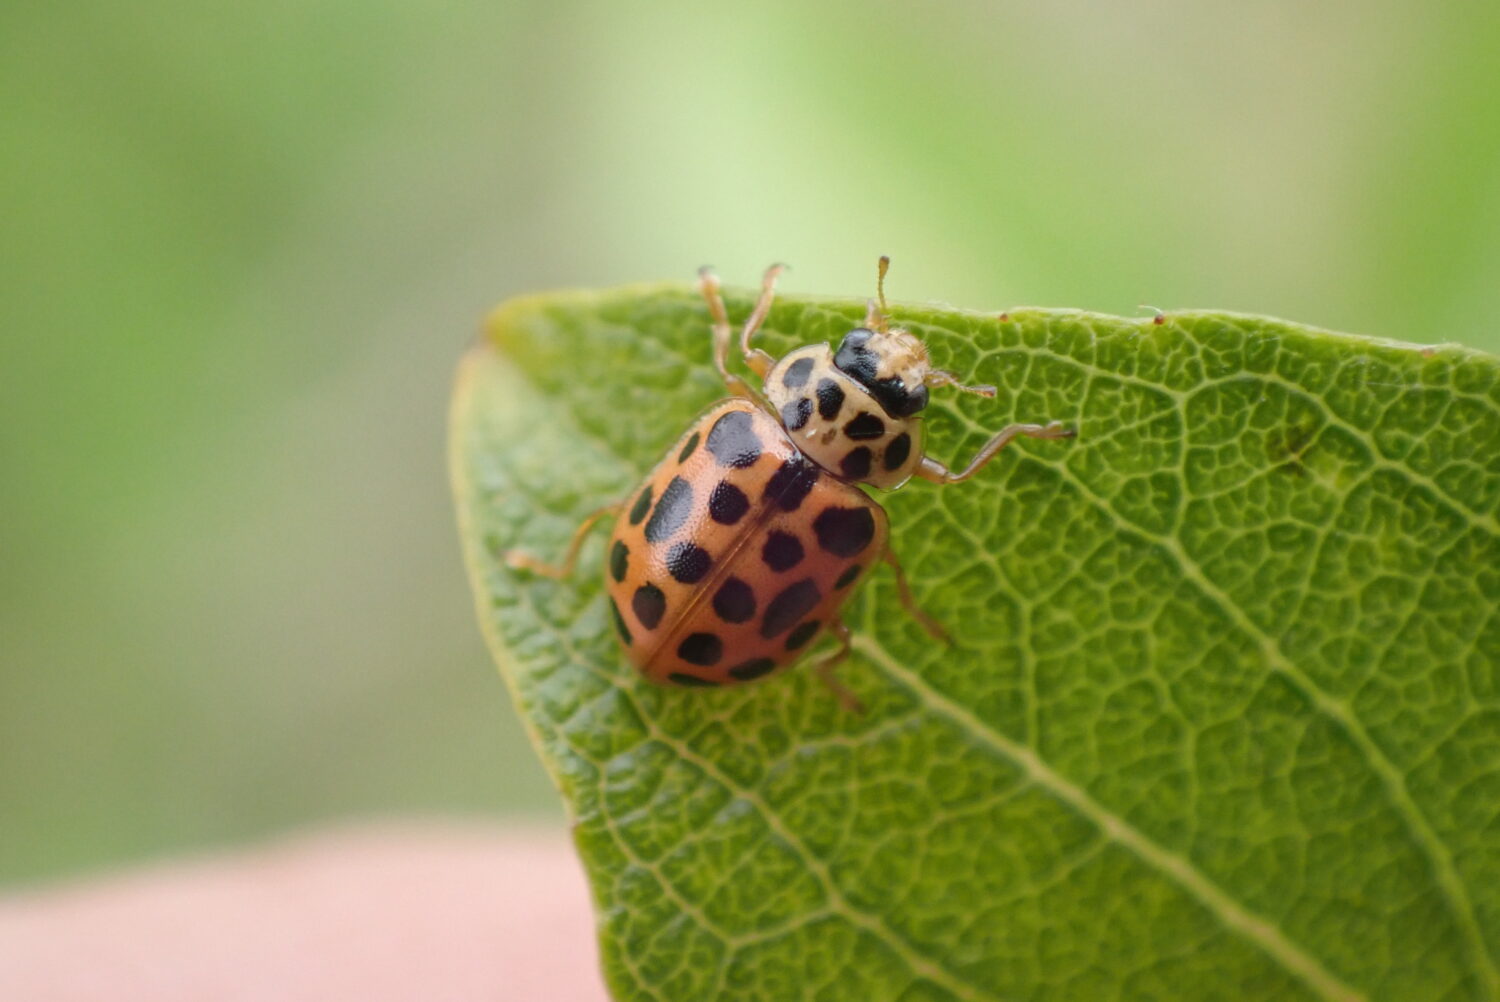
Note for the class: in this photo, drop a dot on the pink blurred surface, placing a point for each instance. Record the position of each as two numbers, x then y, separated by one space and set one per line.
436 912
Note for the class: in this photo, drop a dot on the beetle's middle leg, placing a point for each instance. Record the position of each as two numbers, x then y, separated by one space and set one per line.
523 561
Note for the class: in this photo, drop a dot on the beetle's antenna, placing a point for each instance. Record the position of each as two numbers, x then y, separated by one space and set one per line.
876 317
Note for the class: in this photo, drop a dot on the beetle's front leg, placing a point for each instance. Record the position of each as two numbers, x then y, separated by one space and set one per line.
758 361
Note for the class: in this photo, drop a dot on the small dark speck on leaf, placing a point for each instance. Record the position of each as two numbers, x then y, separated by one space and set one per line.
1289 449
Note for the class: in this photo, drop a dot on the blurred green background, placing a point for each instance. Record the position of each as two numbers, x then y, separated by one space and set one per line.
244 244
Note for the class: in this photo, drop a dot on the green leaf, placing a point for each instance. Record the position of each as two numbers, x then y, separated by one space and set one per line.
1222 717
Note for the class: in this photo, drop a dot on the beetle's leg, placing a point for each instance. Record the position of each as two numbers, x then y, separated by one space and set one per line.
931 469
938 377
759 362
829 662
525 562
708 286
933 627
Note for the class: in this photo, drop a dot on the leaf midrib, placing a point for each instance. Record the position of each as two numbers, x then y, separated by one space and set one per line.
1270 938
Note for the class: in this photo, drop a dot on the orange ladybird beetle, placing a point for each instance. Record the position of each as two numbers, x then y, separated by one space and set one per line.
750 535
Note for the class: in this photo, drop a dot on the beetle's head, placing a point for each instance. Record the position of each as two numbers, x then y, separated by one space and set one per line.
891 363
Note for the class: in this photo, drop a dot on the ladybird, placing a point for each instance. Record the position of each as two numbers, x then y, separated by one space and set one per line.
743 544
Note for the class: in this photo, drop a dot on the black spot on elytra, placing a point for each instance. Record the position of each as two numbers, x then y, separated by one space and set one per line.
802 634
794 602
897 451
727 504
782 551
794 413
733 441
856 464
683 678
671 512
830 399
754 668
649 604
703 649
735 601
796 373
847 578
792 482
688 562
614 611
619 560
844 532
687 448
641 506
865 425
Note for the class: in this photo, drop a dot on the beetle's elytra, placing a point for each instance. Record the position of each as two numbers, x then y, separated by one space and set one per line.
743 544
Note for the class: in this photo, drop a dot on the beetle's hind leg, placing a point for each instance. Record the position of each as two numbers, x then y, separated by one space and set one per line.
909 603
827 663
522 561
